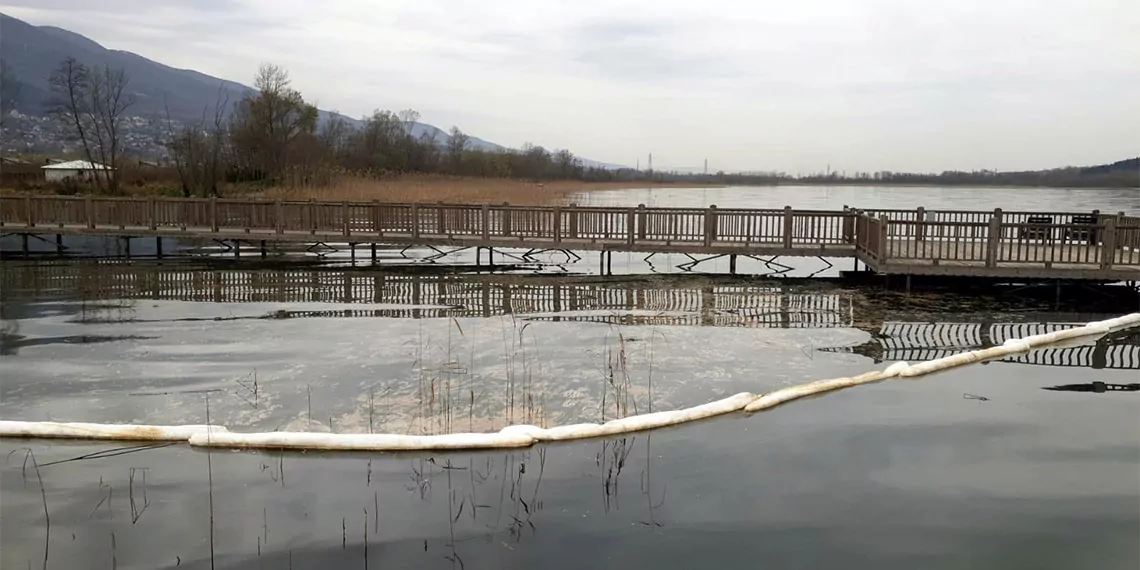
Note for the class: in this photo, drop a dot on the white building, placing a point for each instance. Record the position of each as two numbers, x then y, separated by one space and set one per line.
80 170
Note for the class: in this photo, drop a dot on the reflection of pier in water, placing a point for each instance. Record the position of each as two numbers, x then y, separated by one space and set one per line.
914 342
678 302
703 303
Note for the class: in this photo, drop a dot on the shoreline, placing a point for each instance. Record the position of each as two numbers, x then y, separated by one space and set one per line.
435 188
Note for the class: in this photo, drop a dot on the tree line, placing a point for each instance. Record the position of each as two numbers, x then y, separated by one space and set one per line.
273 136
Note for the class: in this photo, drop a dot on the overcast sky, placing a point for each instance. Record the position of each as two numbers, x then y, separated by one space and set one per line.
774 85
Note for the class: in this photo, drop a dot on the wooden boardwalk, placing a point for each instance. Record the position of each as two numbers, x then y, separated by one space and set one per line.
1032 245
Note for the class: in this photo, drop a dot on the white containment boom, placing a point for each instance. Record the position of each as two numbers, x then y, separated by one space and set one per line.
524 435
76 430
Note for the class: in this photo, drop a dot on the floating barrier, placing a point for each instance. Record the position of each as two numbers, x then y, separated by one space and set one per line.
129 432
525 435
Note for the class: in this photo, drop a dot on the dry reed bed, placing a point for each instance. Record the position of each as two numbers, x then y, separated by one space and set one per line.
451 189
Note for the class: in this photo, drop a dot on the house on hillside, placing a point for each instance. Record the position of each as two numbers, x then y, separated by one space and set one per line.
78 170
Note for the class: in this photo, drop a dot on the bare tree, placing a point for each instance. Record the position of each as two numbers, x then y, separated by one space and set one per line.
198 149
568 165
267 126
93 103
456 143
70 104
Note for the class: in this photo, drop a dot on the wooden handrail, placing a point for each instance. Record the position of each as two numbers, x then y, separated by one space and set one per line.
1104 241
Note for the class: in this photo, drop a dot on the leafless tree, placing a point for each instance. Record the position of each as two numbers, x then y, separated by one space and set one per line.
199 149
268 127
93 103
456 143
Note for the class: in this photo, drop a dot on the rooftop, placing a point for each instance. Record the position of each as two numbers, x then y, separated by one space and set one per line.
77 165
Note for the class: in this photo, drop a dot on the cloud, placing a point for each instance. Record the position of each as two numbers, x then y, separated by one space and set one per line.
879 84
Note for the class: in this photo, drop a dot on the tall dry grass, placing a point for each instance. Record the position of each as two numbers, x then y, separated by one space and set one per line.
428 188
406 188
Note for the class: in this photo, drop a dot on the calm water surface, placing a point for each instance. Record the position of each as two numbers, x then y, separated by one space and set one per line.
1109 200
902 474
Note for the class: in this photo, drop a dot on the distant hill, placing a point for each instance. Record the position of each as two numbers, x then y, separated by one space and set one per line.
32 53
1131 166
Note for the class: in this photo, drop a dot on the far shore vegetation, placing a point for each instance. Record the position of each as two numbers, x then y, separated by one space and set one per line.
274 143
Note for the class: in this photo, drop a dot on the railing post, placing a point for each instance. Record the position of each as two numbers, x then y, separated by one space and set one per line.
1108 243
884 239
485 221
573 222
789 226
374 213
279 216
29 216
309 209
920 226
213 214
440 219
506 219
642 221
558 224
710 225
415 220
630 222
89 208
345 227
993 239
151 221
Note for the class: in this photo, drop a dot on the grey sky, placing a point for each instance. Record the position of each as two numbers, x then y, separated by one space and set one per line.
795 86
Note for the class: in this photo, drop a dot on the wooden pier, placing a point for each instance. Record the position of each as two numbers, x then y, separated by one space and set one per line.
996 244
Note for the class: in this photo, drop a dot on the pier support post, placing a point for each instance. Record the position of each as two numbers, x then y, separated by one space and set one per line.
1107 243
127 245
610 263
993 238
373 254
24 244
732 264
237 248
158 247
478 255
262 244
352 253
59 244
789 227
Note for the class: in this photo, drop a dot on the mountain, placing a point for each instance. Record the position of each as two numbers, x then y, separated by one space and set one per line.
32 53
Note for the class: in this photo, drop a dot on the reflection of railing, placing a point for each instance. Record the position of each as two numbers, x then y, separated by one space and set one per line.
913 342
428 296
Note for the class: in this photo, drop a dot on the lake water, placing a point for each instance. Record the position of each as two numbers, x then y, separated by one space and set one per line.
980 467
1108 200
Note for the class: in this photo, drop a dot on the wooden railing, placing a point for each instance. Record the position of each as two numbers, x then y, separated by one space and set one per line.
897 237
997 237
706 226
